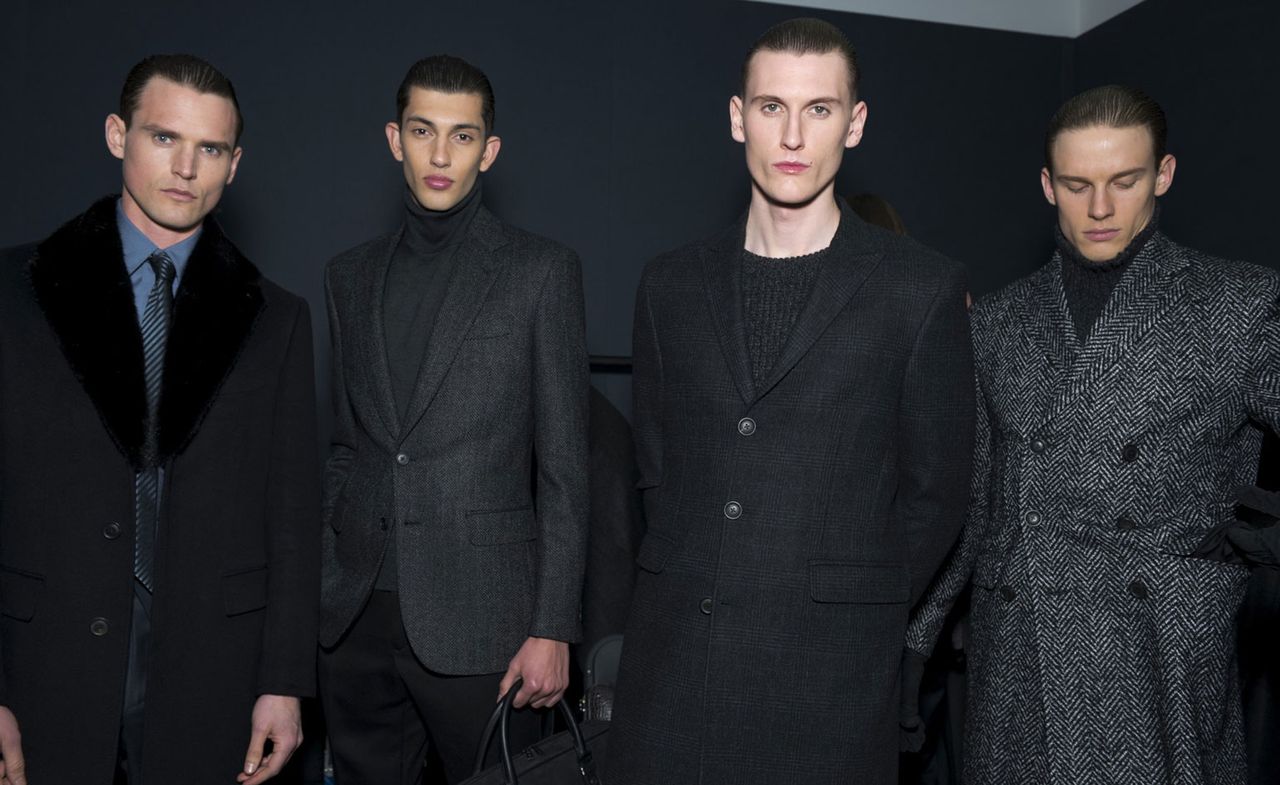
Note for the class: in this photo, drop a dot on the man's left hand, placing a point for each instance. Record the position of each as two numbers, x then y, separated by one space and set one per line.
544 665
278 718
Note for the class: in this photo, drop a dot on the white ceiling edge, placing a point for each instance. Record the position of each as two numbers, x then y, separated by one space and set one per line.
1063 18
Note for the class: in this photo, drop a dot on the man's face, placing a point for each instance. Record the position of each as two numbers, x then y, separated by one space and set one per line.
441 142
796 118
179 153
1104 184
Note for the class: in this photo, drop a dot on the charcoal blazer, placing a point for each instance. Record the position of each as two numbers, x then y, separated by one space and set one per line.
484 483
235 608
791 522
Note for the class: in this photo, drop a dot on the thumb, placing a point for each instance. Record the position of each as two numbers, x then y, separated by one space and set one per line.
254 758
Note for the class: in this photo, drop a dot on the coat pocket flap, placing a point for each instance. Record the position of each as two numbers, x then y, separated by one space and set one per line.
867 583
489 325
244 590
19 591
499 527
654 552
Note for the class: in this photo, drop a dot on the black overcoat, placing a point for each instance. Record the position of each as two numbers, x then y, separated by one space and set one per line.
791 522
235 608
484 482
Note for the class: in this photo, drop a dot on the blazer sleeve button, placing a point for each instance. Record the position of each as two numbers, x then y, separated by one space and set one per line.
99 627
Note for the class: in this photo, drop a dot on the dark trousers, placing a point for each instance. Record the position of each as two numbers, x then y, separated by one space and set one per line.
383 708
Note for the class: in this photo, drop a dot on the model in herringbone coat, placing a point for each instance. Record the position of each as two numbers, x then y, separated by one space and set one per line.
1102 651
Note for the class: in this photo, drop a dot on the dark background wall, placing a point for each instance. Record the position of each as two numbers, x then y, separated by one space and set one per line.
613 117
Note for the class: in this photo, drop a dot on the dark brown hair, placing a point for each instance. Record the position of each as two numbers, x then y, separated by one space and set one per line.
804 36
186 70
1112 106
447 74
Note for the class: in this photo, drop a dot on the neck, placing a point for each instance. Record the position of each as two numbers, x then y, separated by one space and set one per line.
430 230
778 230
161 236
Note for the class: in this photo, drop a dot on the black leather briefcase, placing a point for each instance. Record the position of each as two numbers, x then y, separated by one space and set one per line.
571 757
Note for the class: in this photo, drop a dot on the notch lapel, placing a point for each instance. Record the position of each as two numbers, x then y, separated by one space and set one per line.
721 263
370 365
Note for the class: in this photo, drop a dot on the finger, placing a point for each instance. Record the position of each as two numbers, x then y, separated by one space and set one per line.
508 679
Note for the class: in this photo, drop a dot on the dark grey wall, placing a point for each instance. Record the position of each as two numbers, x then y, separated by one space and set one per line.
613 117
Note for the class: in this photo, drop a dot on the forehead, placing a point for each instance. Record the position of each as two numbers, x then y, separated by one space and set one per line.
1101 149
790 75
445 109
174 107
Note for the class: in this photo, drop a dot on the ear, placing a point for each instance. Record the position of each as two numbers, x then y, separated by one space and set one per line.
1164 175
857 122
735 120
1046 183
235 164
115 132
491 147
393 141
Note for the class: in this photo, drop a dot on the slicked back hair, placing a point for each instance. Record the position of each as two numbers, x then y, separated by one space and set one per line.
1111 106
805 36
447 74
186 70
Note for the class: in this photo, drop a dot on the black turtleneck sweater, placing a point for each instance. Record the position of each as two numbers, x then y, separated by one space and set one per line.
1088 284
417 280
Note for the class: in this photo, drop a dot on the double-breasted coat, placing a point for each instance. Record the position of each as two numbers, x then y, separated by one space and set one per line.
1102 650
234 612
484 483
791 522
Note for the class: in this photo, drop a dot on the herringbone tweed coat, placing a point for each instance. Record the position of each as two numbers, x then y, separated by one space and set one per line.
792 521
1101 651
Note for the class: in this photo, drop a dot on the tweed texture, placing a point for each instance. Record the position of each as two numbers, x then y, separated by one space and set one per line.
487 557
792 520
1101 652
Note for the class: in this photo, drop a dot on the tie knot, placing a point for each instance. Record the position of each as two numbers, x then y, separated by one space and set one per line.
163 266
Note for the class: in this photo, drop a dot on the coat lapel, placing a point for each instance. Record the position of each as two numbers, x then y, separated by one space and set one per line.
855 253
475 271
721 263
371 359
82 286
1153 282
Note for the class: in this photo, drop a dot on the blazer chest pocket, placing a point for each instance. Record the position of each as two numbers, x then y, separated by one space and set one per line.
489 325
862 583
502 527
19 593
244 591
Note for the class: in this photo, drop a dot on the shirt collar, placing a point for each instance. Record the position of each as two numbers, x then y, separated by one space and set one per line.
137 246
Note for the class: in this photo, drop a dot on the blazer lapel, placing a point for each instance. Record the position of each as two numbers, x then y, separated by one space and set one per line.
82 286
474 273
853 256
721 263
214 310
1152 283
370 365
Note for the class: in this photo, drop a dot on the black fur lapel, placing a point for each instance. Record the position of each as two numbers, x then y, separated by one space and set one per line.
83 287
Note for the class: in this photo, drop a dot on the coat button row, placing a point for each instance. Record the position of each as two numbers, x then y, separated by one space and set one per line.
705 605
1033 518
402 459
746 426
1139 589
111 530
1125 523
1008 593
1038 445
99 627
1129 453
733 511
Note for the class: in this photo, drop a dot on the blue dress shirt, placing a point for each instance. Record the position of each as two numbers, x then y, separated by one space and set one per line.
137 247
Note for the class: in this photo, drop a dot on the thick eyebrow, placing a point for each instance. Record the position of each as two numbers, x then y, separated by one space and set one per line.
773 99
159 129
1066 178
432 126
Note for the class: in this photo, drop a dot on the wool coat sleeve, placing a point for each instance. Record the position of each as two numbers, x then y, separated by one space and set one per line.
342 444
287 665
935 433
560 383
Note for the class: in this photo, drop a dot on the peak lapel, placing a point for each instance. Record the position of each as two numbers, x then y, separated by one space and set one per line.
82 286
721 263
475 271
854 254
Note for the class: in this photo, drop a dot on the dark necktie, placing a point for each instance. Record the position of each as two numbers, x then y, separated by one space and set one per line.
155 333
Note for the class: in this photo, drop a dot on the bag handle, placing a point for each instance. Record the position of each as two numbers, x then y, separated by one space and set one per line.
499 722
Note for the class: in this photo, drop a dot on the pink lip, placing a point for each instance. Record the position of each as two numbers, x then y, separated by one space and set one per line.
180 195
437 182
1102 235
790 167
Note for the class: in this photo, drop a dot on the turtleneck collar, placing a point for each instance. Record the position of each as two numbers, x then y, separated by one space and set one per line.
429 231
1071 254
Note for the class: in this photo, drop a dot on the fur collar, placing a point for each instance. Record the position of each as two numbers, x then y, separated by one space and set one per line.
80 281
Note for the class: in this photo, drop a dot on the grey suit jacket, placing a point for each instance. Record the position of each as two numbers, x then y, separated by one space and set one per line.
1101 650
486 479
